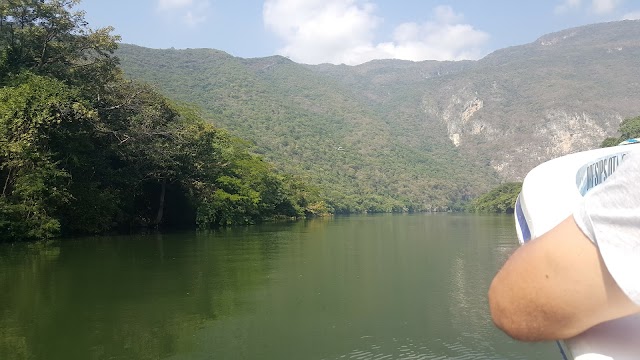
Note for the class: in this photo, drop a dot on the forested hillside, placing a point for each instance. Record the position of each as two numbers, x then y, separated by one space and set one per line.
363 156
413 134
84 150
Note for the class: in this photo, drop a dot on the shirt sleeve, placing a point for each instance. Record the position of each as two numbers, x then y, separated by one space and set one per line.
609 215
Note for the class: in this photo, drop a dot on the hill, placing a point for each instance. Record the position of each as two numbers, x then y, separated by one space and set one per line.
393 135
523 105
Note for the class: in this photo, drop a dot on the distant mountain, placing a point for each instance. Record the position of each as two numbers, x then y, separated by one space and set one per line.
523 105
390 134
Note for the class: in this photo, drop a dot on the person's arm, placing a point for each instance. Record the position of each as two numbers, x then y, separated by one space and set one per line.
555 287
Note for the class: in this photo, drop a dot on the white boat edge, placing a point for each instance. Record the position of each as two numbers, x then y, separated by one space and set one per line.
549 195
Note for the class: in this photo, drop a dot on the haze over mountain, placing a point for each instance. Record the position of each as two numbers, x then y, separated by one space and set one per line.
421 135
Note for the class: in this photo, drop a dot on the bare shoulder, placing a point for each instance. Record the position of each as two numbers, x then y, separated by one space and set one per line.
555 287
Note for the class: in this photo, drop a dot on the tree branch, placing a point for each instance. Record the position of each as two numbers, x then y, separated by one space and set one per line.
6 184
127 102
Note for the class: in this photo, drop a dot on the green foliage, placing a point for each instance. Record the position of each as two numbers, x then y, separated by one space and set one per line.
629 129
35 117
361 155
499 200
47 38
250 190
82 150
25 222
610 141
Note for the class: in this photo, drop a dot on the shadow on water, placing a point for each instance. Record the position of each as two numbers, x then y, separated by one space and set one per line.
359 287
133 297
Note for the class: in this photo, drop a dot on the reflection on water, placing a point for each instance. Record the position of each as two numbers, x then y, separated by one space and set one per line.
364 287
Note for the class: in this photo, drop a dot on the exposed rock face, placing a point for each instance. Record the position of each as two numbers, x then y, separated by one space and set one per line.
470 108
554 39
570 132
524 105
555 134
513 150
457 115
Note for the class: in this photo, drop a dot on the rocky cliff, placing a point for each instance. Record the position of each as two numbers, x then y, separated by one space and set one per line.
563 93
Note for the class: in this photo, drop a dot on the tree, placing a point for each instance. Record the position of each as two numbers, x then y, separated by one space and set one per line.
35 118
499 200
629 129
83 150
47 38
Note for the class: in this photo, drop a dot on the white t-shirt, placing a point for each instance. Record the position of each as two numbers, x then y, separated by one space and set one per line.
609 215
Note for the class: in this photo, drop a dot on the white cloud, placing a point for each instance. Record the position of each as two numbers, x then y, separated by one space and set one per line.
320 30
635 15
192 20
568 5
597 7
342 31
189 12
173 4
603 7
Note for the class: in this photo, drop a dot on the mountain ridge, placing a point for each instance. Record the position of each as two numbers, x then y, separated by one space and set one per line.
421 135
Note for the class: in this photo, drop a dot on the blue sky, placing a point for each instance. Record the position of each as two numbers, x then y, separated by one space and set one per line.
348 31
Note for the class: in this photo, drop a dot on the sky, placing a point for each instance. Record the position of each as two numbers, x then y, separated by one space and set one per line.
348 31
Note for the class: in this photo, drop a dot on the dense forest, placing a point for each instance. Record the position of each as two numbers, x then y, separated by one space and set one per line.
502 199
366 146
84 150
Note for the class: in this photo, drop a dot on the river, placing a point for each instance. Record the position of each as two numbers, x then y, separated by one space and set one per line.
359 287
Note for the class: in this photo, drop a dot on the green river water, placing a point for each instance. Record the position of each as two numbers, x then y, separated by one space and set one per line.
360 287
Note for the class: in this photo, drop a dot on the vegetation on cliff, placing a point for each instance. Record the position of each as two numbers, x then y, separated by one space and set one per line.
503 198
629 129
83 150
499 200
